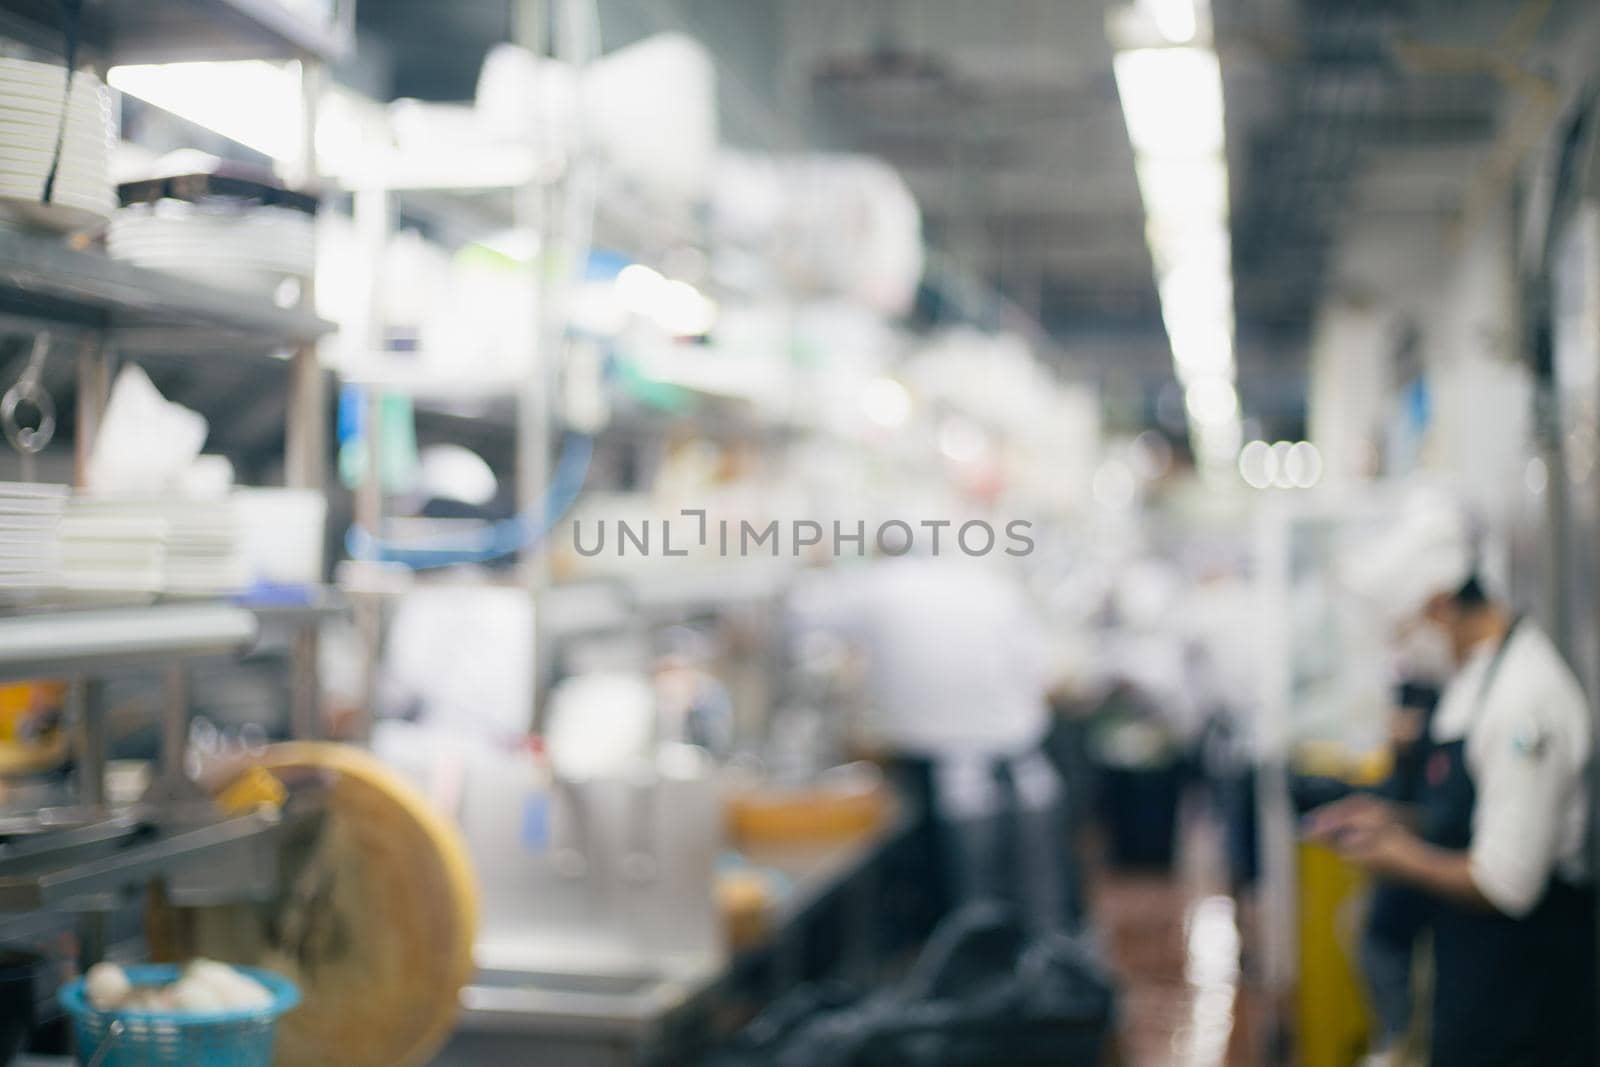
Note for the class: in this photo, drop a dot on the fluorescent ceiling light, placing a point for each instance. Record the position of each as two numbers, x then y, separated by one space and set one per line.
1172 100
1218 444
1175 188
1211 401
1172 103
1201 355
1202 291
1192 246
253 102
1174 19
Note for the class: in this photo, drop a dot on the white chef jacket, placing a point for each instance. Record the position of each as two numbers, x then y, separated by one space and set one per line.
1527 749
957 659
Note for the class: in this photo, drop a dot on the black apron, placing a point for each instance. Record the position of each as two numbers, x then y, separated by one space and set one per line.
1507 992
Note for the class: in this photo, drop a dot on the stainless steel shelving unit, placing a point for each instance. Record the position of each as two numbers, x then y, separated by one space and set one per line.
84 642
91 872
167 31
46 282
102 308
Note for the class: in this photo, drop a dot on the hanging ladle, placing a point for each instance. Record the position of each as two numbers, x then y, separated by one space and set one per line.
26 397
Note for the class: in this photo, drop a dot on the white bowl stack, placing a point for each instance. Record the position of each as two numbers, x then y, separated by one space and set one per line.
30 524
179 546
108 554
245 249
36 113
203 548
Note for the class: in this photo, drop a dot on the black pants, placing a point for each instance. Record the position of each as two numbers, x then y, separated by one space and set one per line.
1018 855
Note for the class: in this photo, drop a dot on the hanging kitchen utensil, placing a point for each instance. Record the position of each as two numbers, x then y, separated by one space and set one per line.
27 397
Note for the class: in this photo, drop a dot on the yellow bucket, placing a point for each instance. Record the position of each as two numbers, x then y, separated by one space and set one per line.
32 739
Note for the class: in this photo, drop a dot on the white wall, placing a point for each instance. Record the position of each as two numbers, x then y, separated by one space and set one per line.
1385 274
1481 386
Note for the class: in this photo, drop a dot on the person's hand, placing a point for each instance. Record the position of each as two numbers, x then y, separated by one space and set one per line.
1405 727
1355 815
1382 850
1364 831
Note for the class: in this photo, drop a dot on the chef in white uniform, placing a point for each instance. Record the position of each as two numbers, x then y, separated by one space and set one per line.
1498 840
957 667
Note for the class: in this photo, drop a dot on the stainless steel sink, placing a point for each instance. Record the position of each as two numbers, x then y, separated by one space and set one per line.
610 985
621 1003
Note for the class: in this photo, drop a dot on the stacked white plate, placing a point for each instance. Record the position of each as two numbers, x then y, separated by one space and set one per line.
36 114
30 522
203 548
198 541
247 249
108 555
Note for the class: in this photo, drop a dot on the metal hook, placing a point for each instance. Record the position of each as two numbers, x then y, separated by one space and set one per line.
29 392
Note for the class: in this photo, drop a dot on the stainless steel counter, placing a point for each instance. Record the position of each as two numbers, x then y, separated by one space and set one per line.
622 1016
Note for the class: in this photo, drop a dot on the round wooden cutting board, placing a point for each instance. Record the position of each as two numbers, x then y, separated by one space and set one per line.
374 919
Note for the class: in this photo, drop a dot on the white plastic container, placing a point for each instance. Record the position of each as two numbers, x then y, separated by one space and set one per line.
281 534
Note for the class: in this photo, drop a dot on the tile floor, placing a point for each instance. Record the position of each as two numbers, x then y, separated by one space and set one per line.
1176 941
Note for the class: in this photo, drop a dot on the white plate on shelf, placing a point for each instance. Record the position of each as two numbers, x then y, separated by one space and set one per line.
84 114
77 136
56 217
16 139
34 491
51 87
67 183
29 204
34 102
69 179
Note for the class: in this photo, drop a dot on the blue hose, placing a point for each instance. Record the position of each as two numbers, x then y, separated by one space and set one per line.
506 537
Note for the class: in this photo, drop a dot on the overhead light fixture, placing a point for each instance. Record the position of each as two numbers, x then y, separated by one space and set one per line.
1217 444
1172 103
1175 20
1182 188
251 101
1171 100
1211 401
1202 353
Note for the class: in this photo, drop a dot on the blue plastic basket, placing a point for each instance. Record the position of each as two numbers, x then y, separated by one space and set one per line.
239 1038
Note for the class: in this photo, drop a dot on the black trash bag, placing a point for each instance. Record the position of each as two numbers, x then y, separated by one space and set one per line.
764 1038
1062 978
971 952
982 993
